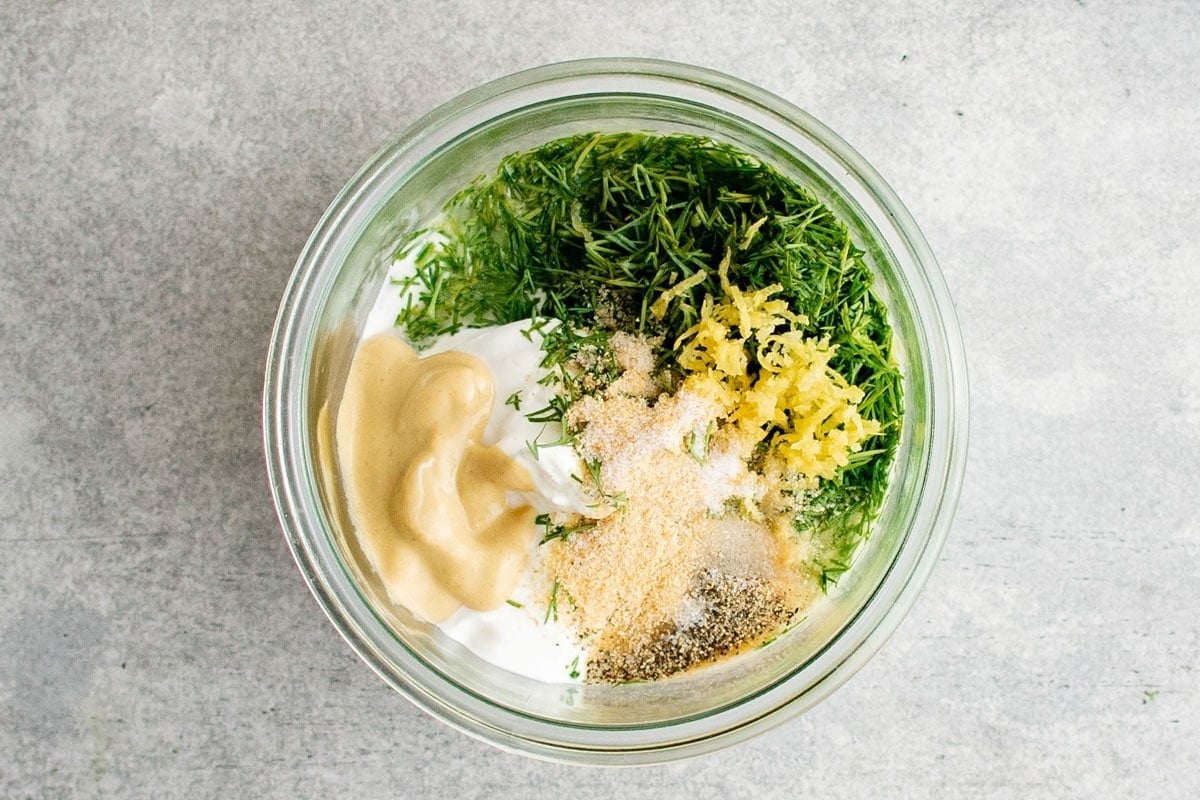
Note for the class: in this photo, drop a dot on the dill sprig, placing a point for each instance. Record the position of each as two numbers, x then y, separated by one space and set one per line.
552 604
611 221
552 530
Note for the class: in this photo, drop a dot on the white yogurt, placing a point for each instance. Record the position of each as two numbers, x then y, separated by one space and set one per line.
521 638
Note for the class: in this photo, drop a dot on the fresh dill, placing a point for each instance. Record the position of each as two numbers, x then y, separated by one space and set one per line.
829 571
614 499
552 531
552 412
697 444
552 604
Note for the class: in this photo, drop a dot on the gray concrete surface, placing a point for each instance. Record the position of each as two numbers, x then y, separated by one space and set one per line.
161 165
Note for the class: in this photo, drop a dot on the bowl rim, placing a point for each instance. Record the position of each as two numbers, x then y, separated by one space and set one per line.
285 469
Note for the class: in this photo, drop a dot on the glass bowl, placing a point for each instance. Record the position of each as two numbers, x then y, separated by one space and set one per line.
336 280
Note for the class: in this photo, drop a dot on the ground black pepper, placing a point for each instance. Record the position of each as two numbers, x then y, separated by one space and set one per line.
736 612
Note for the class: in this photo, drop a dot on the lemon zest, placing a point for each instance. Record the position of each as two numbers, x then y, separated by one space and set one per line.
806 411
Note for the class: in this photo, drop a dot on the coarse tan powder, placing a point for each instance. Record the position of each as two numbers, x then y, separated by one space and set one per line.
685 568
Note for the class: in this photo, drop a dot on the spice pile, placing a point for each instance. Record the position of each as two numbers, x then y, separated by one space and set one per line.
668 578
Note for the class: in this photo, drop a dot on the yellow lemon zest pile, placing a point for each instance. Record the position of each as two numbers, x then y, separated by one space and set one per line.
809 411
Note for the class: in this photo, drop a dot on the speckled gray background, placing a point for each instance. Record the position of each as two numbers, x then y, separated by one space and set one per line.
161 165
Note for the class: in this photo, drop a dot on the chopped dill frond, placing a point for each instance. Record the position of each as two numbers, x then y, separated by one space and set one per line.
552 604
